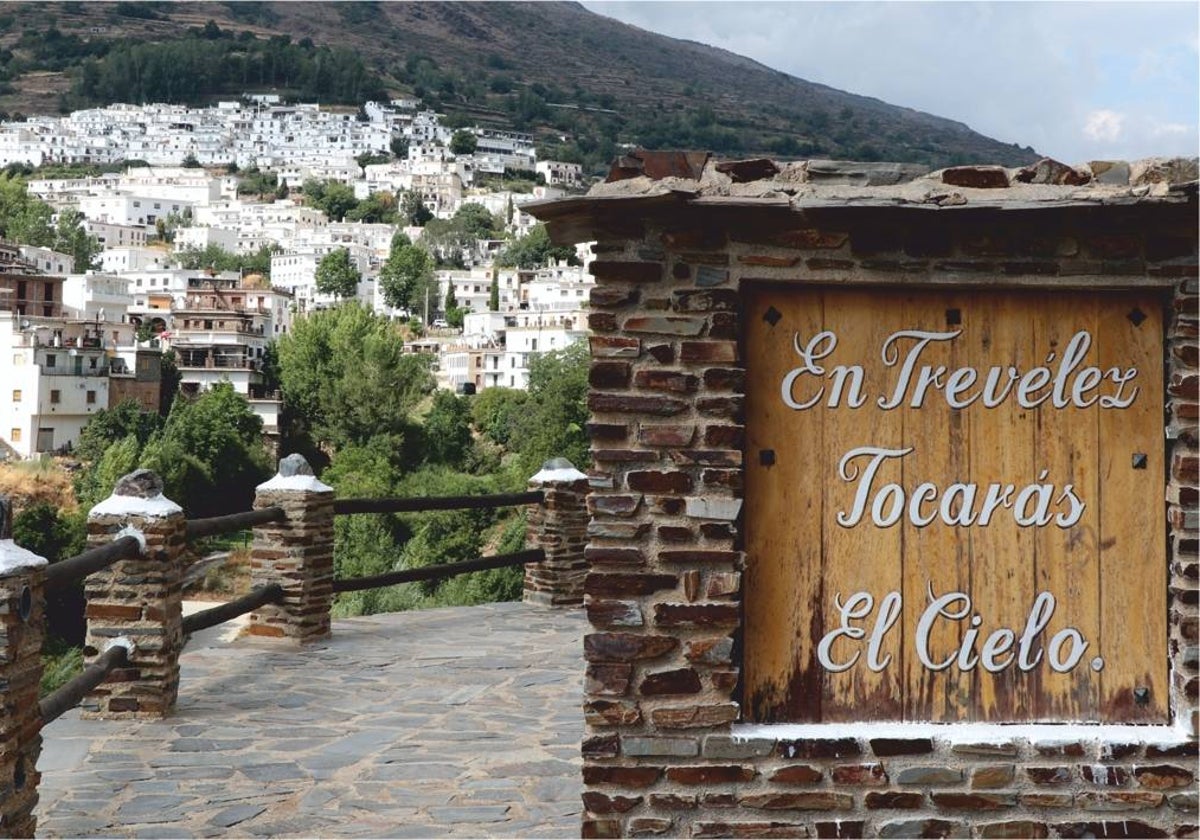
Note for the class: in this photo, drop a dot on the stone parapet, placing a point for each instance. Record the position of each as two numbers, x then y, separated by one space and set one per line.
22 576
139 600
559 527
296 553
664 705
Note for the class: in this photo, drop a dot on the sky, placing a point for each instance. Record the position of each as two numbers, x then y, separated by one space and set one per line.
1077 81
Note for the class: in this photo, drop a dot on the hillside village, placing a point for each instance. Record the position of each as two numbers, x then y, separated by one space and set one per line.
82 338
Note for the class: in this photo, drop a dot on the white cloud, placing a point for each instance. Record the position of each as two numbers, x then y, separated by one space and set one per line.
1103 125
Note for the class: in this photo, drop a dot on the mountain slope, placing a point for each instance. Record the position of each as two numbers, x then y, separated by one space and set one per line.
583 82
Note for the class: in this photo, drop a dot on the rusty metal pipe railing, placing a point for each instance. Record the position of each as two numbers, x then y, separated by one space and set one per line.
500 561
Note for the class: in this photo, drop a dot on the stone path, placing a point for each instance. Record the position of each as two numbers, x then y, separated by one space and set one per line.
459 722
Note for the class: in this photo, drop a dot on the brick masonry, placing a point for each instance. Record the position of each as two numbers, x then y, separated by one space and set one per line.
663 593
296 553
22 577
140 600
558 526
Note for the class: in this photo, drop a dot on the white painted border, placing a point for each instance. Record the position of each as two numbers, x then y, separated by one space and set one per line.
970 733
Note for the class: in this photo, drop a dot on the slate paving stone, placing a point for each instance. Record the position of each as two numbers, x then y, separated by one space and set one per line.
236 814
458 723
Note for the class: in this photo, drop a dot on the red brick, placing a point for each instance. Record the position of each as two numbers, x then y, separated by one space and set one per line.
665 380
619 556
807 801
697 615
601 746
612 296
694 717
859 774
731 437
797 774
725 379
629 272
611 713
609 679
893 799
768 262
716 352
634 404
664 434
625 647
974 801
1163 777
627 585
614 614
710 774
698 556
602 322
630 777
615 346
678 681
657 481
607 431
600 803
609 374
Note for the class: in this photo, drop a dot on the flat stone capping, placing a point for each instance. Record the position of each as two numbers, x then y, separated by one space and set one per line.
971 733
13 558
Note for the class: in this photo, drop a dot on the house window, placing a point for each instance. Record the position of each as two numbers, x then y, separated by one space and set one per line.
51 360
91 397
16 395
55 397
16 435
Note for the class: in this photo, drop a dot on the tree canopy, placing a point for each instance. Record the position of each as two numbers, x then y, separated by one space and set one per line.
535 250
345 373
406 273
337 275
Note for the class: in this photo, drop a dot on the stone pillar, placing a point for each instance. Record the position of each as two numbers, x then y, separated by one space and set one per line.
559 527
139 600
22 574
296 553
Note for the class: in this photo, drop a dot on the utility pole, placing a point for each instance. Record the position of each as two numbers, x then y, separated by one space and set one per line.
426 306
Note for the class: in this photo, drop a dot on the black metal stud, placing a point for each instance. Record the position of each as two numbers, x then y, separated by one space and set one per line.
1139 460
1141 695
766 457
772 316
1136 316
953 317
25 604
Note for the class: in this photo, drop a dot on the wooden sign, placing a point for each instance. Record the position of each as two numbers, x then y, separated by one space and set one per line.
954 506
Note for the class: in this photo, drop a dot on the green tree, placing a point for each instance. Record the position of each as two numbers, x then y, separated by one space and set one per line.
110 425
448 430
535 250
345 373
336 275
553 425
495 412
169 383
71 238
463 142
406 273
333 198
413 209
494 293
44 529
451 302
210 452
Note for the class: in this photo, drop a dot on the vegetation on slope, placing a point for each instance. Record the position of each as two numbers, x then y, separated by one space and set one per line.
584 84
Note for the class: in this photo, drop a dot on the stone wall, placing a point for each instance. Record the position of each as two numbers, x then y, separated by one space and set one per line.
664 590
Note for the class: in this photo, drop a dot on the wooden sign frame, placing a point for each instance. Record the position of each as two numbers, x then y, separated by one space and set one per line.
974 544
